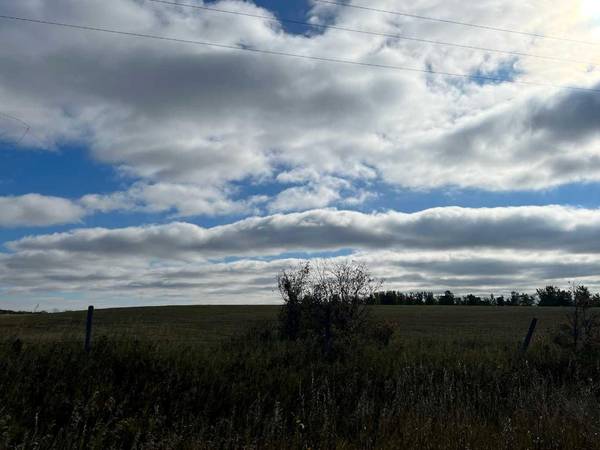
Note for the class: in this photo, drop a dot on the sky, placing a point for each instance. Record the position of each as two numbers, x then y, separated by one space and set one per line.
141 171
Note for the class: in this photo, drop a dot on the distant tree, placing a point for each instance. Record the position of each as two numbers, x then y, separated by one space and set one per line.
429 298
388 298
582 296
526 300
488 301
413 298
418 298
472 300
581 332
520 299
446 299
554 296
549 296
404 299
514 299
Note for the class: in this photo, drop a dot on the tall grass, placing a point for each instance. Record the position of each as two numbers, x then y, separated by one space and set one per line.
256 391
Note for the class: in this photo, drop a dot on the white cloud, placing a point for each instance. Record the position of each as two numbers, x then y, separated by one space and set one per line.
182 200
33 210
175 113
481 250
190 124
303 198
317 193
568 229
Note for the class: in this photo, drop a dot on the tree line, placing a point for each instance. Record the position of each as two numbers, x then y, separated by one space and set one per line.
547 296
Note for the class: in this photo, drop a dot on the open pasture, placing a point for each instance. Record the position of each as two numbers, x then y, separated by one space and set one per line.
211 324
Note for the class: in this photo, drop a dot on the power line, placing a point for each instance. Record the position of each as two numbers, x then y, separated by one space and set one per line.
8 116
297 55
373 33
22 122
456 22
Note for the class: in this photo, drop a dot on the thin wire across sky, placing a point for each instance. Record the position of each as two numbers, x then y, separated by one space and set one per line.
373 33
455 22
474 77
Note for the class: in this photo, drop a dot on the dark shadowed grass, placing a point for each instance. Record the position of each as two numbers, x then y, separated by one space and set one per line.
437 390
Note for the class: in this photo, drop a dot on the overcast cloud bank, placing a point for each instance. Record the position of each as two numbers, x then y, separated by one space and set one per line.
479 249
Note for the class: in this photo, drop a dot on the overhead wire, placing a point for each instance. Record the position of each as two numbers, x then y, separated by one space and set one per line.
295 55
374 33
456 22
26 126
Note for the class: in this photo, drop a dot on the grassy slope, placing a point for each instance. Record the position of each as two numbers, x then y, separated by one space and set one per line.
212 323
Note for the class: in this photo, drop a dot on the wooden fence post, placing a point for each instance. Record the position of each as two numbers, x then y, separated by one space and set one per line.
527 340
88 329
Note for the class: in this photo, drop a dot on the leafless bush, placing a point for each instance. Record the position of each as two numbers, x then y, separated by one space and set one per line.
325 300
294 286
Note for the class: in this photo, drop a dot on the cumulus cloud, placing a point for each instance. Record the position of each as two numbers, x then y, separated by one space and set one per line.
316 193
537 228
187 125
532 143
182 200
33 210
159 111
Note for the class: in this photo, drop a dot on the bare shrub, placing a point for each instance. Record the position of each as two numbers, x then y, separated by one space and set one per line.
325 300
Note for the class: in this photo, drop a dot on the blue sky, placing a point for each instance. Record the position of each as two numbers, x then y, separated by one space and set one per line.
139 142
293 10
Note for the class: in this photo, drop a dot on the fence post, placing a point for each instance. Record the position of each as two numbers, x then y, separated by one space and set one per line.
527 340
88 329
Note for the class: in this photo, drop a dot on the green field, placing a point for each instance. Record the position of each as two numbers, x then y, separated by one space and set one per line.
210 324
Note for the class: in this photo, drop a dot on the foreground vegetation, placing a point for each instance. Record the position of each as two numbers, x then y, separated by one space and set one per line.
323 371
257 391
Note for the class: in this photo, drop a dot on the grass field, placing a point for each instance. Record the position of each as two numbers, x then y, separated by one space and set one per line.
210 324
207 377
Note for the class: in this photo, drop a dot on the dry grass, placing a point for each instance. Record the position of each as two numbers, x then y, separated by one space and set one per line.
210 324
449 379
